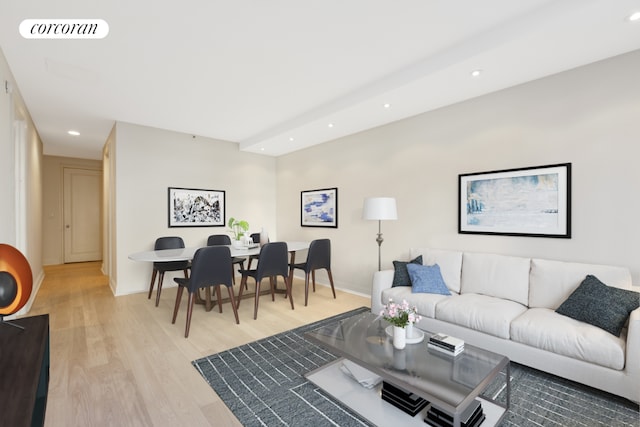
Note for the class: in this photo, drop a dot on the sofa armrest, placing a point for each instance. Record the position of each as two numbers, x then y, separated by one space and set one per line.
633 343
381 280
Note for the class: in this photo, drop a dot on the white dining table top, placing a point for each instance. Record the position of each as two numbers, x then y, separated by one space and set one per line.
186 254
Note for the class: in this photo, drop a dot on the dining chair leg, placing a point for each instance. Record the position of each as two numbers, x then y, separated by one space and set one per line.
288 285
290 274
306 288
192 298
153 280
243 285
272 283
233 303
219 296
160 279
255 304
207 297
313 277
233 275
331 281
177 306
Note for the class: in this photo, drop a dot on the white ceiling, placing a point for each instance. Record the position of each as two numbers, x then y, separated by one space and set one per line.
272 75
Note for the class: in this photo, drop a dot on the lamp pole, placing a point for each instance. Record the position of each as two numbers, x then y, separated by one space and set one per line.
379 240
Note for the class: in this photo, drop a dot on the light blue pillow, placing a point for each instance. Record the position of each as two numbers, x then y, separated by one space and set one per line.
427 279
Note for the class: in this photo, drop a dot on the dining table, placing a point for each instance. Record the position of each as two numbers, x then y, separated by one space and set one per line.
186 254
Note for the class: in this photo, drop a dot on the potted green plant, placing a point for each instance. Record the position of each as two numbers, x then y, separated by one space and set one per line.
238 227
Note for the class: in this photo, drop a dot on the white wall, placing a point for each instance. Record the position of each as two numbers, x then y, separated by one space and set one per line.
588 117
148 161
20 177
7 158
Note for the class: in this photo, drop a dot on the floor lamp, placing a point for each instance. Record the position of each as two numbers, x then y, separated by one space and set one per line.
379 208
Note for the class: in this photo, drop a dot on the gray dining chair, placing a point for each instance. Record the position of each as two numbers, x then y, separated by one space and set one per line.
272 262
211 266
318 257
159 268
255 237
223 239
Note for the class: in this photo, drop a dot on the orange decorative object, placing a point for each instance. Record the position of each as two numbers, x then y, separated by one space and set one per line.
16 265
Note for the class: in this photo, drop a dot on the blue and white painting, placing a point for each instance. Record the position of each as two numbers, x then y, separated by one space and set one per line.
518 202
319 208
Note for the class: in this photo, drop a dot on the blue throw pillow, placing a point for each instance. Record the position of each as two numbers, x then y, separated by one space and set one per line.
427 279
401 275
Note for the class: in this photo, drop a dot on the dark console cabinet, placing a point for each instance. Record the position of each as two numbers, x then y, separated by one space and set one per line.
24 371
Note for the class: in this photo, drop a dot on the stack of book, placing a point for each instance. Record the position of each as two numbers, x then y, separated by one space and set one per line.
403 400
471 417
446 344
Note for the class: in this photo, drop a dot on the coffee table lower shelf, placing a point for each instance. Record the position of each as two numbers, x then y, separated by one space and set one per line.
368 403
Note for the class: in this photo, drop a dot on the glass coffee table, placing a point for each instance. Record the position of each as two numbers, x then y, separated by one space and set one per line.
452 386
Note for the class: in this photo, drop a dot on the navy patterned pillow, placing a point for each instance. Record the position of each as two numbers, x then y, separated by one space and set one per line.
401 275
600 305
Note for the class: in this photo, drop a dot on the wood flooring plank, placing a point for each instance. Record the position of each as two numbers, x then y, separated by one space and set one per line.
118 361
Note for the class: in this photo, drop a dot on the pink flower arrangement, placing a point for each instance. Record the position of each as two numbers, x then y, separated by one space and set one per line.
400 314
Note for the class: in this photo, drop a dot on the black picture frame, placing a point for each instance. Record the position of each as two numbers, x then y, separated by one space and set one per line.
193 207
319 208
532 201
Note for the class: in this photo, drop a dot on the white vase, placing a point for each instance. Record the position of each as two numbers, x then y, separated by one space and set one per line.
409 329
399 337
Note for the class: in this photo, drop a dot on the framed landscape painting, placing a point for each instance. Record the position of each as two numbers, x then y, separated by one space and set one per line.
190 207
319 208
533 201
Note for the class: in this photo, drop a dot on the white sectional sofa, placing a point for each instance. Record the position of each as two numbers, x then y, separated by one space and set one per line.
507 305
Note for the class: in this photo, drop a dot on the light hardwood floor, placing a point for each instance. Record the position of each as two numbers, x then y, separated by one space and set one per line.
118 361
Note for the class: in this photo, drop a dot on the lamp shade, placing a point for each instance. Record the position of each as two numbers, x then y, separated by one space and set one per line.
379 208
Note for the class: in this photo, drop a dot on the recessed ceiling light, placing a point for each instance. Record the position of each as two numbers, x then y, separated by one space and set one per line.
290 138
330 125
634 17
73 132
476 73
387 105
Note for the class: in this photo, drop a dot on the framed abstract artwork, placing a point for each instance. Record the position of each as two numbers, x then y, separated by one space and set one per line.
190 207
533 201
319 208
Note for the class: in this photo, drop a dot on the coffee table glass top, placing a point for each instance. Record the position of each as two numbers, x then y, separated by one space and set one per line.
451 382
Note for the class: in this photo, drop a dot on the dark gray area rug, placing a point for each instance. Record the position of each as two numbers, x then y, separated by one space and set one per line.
263 384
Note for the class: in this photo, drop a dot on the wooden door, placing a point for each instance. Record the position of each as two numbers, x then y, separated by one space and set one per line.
82 215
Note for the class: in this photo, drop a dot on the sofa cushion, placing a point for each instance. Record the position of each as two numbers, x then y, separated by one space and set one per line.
427 279
400 274
600 305
498 276
551 282
480 312
547 330
450 263
424 303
